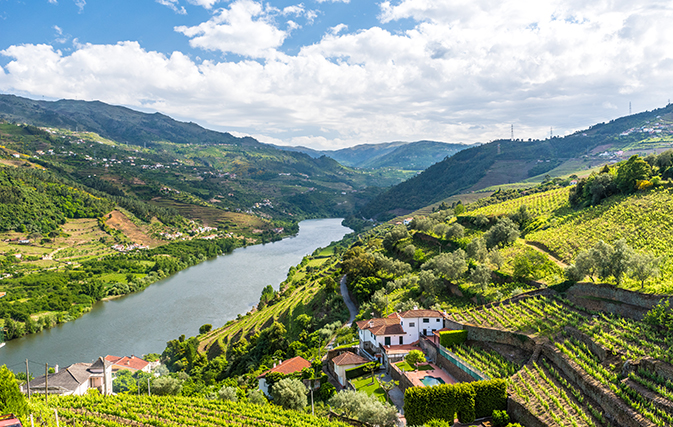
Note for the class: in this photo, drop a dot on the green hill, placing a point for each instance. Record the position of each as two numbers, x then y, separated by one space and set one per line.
414 156
506 161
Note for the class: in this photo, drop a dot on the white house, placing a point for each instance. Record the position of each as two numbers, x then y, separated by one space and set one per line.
398 332
289 366
345 361
76 379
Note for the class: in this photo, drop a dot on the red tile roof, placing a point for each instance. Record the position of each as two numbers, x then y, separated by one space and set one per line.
289 366
133 363
419 313
379 327
348 358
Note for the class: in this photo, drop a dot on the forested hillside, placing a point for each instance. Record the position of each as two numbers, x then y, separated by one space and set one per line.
506 161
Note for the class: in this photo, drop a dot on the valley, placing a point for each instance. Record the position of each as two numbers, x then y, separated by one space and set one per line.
539 273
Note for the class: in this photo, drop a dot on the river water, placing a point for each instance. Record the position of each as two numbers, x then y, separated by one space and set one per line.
214 292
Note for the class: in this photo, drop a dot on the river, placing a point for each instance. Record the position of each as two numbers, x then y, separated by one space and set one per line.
214 292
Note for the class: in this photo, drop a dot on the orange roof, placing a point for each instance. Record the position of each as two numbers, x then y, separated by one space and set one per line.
289 366
419 313
387 326
134 363
348 358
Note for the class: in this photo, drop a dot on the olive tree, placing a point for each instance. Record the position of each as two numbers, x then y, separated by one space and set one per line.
290 393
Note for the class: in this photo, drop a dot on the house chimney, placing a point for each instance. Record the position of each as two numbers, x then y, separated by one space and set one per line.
56 369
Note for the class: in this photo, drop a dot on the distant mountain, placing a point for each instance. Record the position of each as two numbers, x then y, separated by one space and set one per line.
119 124
507 161
399 155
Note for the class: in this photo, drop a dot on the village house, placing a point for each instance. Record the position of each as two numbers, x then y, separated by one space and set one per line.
132 364
393 337
344 362
75 379
286 367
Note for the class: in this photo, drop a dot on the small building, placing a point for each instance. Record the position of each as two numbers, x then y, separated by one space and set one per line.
398 333
286 367
132 364
345 361
76 379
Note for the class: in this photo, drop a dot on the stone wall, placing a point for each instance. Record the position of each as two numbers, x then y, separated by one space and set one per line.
519 413
428 348
659 367
397 375
453 370
477 333
606 297
615 409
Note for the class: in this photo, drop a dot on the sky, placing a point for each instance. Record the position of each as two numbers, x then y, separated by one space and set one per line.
328 74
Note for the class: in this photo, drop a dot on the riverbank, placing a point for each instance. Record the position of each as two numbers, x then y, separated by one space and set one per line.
214 292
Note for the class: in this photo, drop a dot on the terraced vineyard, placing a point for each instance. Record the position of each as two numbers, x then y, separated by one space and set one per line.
644 220
550 397
164 411
631 339
655 407
257 320
539 314
488 362
538 204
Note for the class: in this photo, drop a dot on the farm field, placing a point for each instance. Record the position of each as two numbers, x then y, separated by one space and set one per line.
140 411
627 360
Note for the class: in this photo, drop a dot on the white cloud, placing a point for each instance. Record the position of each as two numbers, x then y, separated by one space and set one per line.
53 1
245 29
333 1
80 5
465 72
174 5
60 38
204 3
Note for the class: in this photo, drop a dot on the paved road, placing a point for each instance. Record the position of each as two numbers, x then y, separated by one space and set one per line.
347 299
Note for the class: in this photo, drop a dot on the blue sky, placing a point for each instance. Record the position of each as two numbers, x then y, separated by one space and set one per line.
330 74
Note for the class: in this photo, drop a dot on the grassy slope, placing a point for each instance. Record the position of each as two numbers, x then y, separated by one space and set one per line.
645 220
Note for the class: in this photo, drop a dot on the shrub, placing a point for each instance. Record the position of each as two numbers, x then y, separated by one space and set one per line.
444 401
500 418
451 338
289 393
228 393
491 395
414 357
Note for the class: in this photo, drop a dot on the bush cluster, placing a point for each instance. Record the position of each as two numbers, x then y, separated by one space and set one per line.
444 401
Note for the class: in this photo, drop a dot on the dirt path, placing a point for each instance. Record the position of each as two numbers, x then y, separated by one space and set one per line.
349 303
540 248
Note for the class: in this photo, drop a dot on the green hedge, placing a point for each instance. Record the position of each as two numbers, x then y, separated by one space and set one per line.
440 402
359 371
491 396
444 401
451 338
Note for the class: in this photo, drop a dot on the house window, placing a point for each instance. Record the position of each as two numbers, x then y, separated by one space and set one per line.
401 340
387 340
412 324
426 320
438 320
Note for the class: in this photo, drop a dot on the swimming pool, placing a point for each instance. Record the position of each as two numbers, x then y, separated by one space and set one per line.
430 381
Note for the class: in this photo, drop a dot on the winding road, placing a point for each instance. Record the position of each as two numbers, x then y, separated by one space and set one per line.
347 299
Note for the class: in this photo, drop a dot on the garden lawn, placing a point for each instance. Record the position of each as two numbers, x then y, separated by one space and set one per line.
364 383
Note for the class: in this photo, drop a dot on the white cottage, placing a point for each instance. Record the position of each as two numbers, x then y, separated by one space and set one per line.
345 361
399 332
76 379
